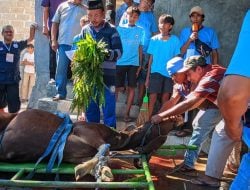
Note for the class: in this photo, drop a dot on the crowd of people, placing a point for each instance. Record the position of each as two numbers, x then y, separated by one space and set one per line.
182 73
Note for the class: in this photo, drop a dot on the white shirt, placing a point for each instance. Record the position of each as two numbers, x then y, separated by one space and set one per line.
29 57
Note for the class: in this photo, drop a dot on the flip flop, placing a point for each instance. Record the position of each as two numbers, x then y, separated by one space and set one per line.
199 181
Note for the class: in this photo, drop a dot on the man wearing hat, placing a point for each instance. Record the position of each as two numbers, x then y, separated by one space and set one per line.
102 30
190 35
207 80
181 89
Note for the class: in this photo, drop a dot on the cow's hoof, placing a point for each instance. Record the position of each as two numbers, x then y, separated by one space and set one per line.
83 169
106 174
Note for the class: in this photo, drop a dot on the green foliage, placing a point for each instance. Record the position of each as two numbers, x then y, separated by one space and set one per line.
87 73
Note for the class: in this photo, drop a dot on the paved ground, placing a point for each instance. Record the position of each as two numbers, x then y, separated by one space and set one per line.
162 167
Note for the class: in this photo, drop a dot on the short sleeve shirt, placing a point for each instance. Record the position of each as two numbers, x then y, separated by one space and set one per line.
132 39
209 84
206 35
29 57
168 49
147 21
240 62
68 16
52 4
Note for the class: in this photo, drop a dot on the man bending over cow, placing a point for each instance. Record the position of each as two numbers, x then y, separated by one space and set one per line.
207 79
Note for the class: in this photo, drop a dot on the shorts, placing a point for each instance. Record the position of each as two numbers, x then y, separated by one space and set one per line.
143 74
122 72
9 96
160 84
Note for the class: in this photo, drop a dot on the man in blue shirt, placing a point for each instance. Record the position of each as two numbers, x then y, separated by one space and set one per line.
129 65
9 67
234 98
205 34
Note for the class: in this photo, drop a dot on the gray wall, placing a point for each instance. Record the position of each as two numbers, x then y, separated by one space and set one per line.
225 16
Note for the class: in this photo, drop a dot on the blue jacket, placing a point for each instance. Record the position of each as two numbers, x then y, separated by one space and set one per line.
9 71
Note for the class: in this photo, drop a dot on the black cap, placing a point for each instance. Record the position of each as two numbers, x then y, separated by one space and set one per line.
95 4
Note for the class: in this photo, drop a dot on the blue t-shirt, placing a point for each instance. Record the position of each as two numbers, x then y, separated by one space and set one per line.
205 34
147 21
132 38
240 62
162 51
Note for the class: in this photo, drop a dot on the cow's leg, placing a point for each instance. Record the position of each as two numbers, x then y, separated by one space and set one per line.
97 166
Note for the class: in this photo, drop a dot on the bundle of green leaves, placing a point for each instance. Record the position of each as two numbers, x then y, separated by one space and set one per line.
87 73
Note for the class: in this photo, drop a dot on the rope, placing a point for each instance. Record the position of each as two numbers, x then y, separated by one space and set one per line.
102 161
56 145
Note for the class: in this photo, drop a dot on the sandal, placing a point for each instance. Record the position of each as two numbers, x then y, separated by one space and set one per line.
200 181
183 133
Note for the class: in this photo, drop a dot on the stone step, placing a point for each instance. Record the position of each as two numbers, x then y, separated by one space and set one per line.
121 108
51 90
48 104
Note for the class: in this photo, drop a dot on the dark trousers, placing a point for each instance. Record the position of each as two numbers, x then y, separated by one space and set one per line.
9 96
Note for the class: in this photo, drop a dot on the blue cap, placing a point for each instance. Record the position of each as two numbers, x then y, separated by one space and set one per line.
174 65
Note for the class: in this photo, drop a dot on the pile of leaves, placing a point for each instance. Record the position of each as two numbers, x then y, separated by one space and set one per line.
87 73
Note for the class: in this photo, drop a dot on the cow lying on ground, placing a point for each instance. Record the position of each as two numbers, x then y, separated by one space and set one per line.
26 135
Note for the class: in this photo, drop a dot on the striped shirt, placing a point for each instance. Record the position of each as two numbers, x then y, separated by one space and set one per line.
209 84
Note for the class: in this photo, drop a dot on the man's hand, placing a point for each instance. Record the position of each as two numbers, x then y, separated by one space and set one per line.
138 71
46 31
54 45
193 36
155 119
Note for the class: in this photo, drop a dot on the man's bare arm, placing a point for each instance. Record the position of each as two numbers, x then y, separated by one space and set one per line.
54 31
190 103
45 21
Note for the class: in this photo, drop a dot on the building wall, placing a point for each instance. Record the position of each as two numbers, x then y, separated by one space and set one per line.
19 13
